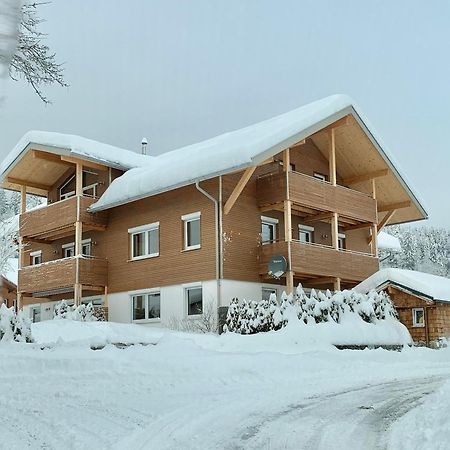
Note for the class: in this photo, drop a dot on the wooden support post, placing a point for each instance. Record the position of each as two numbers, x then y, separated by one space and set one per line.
287 209
332 156
335 231
23 209
238 189
337 284
374 228
78 289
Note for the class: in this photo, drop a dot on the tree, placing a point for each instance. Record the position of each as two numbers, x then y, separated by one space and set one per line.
33 60
9 30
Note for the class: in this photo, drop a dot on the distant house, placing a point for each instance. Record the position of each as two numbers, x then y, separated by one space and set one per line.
422 301
171 236
8 284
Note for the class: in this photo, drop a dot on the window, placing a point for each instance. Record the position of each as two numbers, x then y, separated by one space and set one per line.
320 176
341 241
36 313
36 257
305 234
194 298
69 249
418 317
146 306
268 229
145 241
267 292
191 230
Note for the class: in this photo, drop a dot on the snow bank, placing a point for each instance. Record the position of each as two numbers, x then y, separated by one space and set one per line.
93 333
388 242
432 286
426 427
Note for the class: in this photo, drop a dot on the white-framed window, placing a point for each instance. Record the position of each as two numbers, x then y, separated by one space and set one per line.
191 231
69 249
36 257
306 234
194 300
144 241
268 229
146 306
320 176
267 292
341 241
418 317
35 313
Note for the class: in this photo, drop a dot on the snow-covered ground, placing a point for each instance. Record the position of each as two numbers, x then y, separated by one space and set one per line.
184 391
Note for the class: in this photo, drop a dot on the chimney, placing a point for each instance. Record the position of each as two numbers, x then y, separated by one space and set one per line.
144 143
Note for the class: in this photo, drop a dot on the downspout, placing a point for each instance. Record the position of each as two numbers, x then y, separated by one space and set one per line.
216 214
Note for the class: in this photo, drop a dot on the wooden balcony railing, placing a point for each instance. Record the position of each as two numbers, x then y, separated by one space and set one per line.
61 274
57 220
321 261
319 195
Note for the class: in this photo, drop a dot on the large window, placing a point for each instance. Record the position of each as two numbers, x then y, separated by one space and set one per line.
144 241
146 306
69 249
194 298
305 234
268 229
191 231
36 257
418 317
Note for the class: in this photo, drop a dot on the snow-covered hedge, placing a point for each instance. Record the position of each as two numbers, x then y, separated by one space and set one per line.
250 317
14 327
81 313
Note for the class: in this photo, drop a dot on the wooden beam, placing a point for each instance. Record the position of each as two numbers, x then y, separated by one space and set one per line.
51 157
365 177
318 217
332 156
84 163
335 231
386 219
238 189
339 123
31 184
392 206
23 199
358 226
322 280
79 179
337 284
299 143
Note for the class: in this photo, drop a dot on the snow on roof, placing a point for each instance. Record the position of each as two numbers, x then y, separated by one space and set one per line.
234 151
432 286
388 242
11 272
77 146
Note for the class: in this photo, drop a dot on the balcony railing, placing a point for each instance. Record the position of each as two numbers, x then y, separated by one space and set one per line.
321 260
319 195
57 220
60 275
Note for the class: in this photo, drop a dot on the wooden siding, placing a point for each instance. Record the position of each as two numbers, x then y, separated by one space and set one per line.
49 221
310 192
321 261
61 273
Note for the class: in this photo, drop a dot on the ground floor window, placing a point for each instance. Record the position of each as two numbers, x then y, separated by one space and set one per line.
418 317
306 234
36 313
146 306
194 298
267 292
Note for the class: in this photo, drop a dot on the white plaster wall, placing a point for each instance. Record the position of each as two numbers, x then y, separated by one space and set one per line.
119 307
245 290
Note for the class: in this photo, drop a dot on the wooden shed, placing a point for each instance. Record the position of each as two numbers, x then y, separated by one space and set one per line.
422 301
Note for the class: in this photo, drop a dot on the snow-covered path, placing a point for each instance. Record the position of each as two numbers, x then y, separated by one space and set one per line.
190 392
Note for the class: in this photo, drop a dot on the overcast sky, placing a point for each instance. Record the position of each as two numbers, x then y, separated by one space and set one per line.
178 72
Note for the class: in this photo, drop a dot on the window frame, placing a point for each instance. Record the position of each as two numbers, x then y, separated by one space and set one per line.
306 229
36 254
266 289
191 287
144 229
415 323
71 245
271 222
320 176
187 218
146 294
342 238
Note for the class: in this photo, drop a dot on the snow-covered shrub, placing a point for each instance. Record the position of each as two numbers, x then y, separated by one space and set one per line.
14 327
81 313
250 317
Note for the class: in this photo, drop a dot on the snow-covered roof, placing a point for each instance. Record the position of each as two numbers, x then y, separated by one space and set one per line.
11 272
388 242
431 286
76 146
235 151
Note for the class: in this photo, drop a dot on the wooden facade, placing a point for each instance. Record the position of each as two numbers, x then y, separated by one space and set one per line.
436 315
8 292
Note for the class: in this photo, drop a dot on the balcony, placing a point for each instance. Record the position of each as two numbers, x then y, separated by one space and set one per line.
318 195
313 260
59 276
57 220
